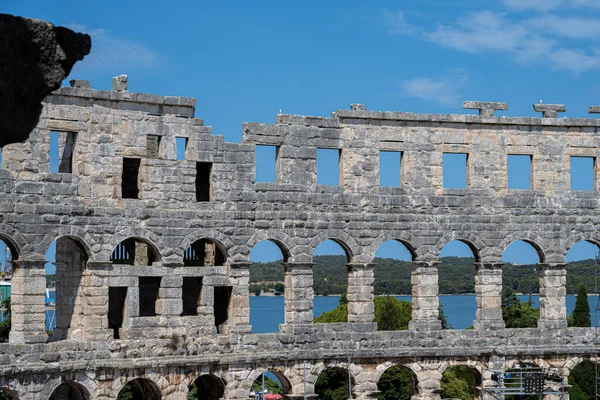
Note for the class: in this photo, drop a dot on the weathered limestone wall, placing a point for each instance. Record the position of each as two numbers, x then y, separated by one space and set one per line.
122 263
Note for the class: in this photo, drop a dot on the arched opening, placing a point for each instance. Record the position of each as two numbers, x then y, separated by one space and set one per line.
521 284
7 394
272 385
330 281
206 387
456 277
204 253
66 260
581 269
267 286
333 384
397 383
461 382
139 389
392 285
134 251
8 253
583 381
70 391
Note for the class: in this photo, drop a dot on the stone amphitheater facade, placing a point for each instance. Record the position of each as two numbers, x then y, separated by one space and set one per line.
153 252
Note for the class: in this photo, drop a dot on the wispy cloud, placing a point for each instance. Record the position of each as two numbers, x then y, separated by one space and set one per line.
396 23
445 90
545 39
114 52
546 5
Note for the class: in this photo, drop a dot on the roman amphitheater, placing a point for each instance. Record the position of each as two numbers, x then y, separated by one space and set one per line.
152 260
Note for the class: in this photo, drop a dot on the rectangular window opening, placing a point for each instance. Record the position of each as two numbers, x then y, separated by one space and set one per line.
129 178
390 168
519 171
190 292
583 173
266 163
62 146
203 181
328 166
181 145
148 287
222 300
455 170
153 146
117 297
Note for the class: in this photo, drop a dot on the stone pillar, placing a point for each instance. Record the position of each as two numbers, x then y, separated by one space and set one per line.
170 301
27 298
239 316
298 293
488 291
425 302
553 289
94 303
360 293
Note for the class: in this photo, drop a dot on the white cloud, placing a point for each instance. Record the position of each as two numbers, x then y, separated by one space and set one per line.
111 51
445 91
396 23
546 39
568 27
541 5
479 31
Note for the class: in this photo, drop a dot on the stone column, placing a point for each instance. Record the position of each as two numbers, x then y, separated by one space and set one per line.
28 289
488 291
94 301
360 292
425 302
553 289
170 302
298 293
239 316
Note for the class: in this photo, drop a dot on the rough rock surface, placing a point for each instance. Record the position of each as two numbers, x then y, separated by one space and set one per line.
36 57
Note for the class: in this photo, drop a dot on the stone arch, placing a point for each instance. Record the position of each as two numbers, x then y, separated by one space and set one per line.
69 390
81 383
339 367
572 240
78 235
286 385
194 254
282 240
147 387
340 237
475 244
413 369
474 368
404 237
16 242
209 386
527 237
224 241
144 235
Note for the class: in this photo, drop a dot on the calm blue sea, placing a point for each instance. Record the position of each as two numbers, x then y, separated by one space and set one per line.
266 312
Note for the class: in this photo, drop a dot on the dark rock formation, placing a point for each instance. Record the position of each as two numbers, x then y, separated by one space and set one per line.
35 57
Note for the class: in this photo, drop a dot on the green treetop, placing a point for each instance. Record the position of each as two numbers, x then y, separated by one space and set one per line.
581 312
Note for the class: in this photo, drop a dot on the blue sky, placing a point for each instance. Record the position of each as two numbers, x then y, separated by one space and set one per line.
245 61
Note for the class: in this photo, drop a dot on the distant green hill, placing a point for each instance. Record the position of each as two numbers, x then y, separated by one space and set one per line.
456 276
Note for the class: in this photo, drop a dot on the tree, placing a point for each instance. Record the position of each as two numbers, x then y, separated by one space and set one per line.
396 383
458 383
6 324
581 312
390 313
443 318
583 380
332 384
517 314
270 384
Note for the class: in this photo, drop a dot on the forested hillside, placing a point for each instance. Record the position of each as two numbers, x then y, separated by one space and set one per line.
456 276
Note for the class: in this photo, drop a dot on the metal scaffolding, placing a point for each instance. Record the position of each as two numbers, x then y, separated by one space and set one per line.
523 380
